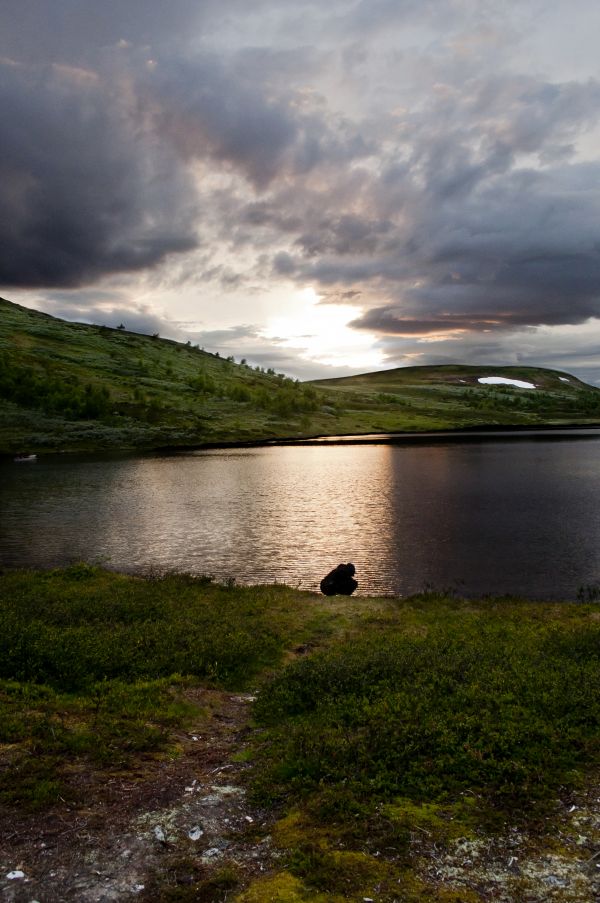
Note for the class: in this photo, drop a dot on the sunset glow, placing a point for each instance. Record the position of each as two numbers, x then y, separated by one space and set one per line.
320 332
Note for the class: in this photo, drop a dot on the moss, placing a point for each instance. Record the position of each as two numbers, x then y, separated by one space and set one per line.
283 887
412 889
440 822
337 871
291 830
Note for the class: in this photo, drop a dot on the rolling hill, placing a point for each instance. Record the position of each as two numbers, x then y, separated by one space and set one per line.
71 386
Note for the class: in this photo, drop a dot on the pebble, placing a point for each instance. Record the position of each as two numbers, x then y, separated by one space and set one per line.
555 882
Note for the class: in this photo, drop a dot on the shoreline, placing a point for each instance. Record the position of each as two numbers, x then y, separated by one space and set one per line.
467 433
485 432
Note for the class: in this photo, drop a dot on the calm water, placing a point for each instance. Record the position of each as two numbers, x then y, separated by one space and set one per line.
486 516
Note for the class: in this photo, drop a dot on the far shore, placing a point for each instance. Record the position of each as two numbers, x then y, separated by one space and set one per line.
490 432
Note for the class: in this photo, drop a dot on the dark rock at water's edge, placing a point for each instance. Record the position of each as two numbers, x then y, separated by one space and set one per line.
340 581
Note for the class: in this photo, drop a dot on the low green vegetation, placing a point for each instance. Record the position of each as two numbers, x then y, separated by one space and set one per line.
68 386
378 720
450 396
493 704
94 665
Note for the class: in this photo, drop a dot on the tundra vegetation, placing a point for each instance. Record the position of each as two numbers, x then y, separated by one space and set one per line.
71 386
385 731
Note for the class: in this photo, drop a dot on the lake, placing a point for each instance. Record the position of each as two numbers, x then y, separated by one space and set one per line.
518 513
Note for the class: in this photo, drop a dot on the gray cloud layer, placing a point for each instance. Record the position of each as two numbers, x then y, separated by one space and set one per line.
406 157
85 187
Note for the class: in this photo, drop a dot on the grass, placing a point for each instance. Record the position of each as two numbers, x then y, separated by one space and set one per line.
70 386
94 665
431 715
450 396
502 708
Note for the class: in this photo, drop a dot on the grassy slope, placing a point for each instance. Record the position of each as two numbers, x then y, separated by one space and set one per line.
426 717
444 397
66 386
157 392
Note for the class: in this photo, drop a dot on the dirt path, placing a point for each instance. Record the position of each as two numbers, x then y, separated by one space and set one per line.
172 822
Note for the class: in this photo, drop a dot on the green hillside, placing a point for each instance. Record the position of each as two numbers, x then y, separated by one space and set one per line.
67 386
451 396
73 386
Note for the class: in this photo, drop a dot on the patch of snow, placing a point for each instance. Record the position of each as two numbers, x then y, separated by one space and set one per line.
14 875
564 379
503 381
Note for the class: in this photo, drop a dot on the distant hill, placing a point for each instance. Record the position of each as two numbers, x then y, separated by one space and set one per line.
451 396
68 386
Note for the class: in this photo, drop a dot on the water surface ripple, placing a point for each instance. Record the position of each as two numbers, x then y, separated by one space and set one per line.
489 516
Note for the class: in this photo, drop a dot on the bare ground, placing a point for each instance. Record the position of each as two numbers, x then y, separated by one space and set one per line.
176 820
184 821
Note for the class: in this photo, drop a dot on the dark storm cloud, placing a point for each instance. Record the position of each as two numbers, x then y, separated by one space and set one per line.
96 170
205 111
231 112
525 250
85 187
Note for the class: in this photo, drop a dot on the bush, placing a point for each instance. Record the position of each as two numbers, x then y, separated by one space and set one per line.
499 709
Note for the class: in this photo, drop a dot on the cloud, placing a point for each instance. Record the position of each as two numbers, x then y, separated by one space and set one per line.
455 229
85 187
74 30
423 162
571 349
205 111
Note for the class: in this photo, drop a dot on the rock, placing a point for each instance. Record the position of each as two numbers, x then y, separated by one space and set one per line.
15 875
554 881
340 581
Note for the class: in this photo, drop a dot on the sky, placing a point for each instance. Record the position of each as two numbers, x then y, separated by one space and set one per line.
325 189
